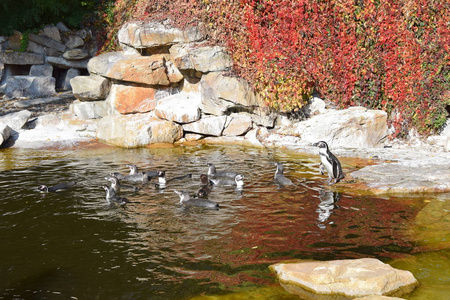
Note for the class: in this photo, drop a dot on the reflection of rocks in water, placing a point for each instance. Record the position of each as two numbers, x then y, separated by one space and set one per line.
328 200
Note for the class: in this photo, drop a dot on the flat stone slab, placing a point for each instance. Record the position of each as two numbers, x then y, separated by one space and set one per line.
348 278
42 101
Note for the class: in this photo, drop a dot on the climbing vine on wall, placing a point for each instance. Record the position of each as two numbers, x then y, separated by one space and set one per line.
390 55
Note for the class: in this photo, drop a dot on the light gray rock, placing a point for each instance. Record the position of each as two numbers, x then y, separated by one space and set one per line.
138 130
5 133
2 67
75 54
349 277
71 73
208 125
62 27
181 108
66 64
45 70
315 106
52 32
238 124
21 58
47 42
200 58
446 129
16 120
74 41
220 92
44 100
102 63
139 34
355 127
93 87
90 110
29 86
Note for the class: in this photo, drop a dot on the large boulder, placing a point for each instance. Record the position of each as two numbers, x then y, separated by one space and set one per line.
65 64
208 125
47 42
85 110
135 99
16 120
201 58
138 130
93 87
220 92
180 108
239 124
29 86
350 278
102 63
140 34
355 127
45 70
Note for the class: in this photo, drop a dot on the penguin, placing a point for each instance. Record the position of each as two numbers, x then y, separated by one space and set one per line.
237 181
161 180
213 173
117 186
279 176
58 187
133 170
112 197
206 186
187 176
186 200
329 163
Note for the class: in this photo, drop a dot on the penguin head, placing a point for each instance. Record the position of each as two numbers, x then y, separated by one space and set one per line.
42 188
321 144
204 179
279 167
211 169
133 169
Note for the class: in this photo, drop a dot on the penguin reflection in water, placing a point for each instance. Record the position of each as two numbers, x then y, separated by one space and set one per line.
329 163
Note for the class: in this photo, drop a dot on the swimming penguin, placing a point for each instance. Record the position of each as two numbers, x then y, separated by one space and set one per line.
279 176
117 186
58 187
112 197
213 173
161 180
186 199
133 170
330 163
206 187
237 181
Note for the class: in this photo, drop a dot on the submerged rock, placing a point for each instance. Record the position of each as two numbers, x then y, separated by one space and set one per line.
348 278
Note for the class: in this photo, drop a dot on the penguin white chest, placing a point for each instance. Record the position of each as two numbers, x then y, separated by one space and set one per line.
326 161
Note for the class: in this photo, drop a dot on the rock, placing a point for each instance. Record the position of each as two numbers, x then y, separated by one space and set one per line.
91 110
138 130
192 137
201 58
62 27
21 58
139 34
75 54
238 125
220 92
93 87
47 42
2 67
16 120
14 41
349 277
39 49
5 133
135 99
29 86
377 297
65 64
71 73
41 70
355 127
173 73
254 136
180 108
52 32
74 41
43 101
207 125
102 63
315 106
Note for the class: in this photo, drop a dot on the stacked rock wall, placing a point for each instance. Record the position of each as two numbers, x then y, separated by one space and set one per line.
51 59
166 84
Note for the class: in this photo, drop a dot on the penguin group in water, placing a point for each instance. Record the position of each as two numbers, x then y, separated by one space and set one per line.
329 163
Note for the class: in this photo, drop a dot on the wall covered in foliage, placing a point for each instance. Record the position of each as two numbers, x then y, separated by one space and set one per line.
390 55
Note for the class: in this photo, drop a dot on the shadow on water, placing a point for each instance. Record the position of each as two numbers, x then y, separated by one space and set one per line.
72 244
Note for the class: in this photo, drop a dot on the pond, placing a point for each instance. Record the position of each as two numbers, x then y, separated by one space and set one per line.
73 245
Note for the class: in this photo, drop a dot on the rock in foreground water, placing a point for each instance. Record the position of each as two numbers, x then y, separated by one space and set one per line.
348 278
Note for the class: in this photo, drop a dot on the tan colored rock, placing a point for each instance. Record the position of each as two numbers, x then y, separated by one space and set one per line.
93 87
101 64
180 108
349 277
75 54
201 58
138 130
132 99
207 126
141 34
14 41
238 125
377 297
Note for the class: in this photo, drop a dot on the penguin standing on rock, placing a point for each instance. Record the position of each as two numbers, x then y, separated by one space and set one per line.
330 163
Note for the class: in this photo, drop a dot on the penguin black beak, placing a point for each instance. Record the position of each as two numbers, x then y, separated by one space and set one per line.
315 144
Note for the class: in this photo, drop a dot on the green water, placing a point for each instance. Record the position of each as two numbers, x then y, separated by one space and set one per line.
72 245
